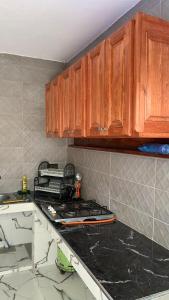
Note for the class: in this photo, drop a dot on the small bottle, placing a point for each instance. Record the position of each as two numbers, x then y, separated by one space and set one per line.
24 184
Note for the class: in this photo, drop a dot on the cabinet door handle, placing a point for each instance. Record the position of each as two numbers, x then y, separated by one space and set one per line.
68 131
102 129
73 259
118 125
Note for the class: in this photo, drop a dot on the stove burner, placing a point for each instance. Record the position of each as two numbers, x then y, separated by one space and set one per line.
62 206
96 211
76 206
85 204
70 214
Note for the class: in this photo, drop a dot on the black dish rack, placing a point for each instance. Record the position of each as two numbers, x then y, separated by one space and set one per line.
54 181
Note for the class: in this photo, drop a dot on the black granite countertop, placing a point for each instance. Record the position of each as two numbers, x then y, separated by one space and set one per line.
128 265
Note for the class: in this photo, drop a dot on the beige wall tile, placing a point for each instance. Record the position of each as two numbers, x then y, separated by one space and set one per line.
97 160
11 159
161 233
10 105
162 174
134 168
10 70
162 205
10 88
165 9
138 196
11 133
76 156
10 185
133 218
92 193
23 143
34 122
98 181
33 98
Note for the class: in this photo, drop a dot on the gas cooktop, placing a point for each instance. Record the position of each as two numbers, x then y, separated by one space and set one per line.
76 211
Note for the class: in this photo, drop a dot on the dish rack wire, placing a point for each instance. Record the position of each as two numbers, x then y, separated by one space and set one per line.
52 180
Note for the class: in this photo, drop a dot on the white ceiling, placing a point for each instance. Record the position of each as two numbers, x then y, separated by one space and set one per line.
55 29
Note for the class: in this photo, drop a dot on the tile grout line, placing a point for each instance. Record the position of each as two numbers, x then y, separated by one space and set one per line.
109 177
161 8
139 211
104 173
135 182
154 197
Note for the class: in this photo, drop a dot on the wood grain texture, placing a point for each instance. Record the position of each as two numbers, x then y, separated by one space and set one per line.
78 98
57 111
119 89
119 145
96 90
66 108
119 81
152 76
49 110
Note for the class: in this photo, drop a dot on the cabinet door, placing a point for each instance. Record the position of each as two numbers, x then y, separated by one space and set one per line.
57 108
152 77
49 109
119 80
96 91
66 92
53 109
78 103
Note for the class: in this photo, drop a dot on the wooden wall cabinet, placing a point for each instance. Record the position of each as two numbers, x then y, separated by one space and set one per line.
119 89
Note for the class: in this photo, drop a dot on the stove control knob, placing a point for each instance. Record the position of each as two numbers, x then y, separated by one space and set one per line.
53 211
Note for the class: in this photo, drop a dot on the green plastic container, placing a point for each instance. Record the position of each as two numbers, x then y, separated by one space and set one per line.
63 263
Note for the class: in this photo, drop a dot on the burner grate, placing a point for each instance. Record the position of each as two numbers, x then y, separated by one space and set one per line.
76 210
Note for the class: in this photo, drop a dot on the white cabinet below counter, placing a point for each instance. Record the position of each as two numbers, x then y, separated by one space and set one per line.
15 208
16 237
55 240
44 243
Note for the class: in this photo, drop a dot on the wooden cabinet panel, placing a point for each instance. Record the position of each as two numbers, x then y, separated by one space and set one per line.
78 103
49 110
56 118
96 90
152 77
119 81
120 89
65 93
53 113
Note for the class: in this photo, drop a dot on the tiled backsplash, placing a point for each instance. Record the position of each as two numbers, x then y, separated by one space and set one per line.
135 187
23 143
